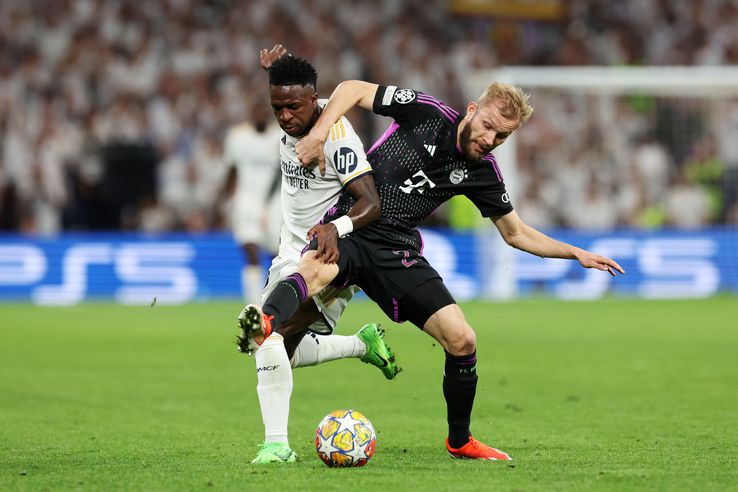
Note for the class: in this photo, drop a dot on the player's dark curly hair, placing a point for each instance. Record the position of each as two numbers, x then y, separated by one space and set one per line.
292 70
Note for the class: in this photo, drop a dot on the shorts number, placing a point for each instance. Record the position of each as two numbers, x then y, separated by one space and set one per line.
406 254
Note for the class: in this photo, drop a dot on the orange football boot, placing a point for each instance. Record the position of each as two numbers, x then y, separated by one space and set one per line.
476 450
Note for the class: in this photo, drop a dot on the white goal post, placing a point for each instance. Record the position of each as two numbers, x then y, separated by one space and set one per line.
709 83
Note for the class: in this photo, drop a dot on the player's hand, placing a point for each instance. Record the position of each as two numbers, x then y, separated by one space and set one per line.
327 236
592 260
267 57
310 152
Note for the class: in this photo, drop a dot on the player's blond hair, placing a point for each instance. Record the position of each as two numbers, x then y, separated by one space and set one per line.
512 101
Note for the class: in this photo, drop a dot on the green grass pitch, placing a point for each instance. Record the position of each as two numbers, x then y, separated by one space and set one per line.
610 395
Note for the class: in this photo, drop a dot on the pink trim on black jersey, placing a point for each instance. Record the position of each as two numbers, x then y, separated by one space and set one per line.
450 113
491 159
389 131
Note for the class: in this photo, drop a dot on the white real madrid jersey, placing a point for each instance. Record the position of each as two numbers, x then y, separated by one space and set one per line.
254 154
306 195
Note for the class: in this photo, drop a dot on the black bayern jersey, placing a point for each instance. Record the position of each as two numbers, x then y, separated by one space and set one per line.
418 165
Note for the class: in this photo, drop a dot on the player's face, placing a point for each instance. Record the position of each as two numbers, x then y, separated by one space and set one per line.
295 107
485 129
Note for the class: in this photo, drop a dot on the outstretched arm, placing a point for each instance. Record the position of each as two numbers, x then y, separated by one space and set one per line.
347 95
523 237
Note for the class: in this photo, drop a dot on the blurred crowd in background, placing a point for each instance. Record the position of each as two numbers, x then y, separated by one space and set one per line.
113 113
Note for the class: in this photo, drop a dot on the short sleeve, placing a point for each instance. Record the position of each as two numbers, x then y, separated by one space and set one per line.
406 106
344 150
491 200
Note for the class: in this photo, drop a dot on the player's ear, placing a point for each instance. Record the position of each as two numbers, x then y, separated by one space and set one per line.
471 109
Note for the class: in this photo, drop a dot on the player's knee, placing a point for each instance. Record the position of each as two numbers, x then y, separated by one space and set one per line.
448 326
310 271
461 341
460 337
317 275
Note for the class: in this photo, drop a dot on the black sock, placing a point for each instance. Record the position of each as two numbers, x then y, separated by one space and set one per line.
285 299
459 388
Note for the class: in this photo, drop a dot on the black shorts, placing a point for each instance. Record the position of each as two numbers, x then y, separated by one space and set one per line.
394 274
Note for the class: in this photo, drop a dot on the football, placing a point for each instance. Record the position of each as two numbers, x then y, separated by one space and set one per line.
345 438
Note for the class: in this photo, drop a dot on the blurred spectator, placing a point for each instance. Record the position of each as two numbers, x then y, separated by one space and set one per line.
594 211
537 210
704 168
726 129
687 204
652 162
77 76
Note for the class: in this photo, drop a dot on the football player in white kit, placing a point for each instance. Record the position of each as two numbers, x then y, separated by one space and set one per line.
306 196
250 151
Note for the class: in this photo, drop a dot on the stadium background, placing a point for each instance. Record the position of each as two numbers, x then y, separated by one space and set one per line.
112 119
114 113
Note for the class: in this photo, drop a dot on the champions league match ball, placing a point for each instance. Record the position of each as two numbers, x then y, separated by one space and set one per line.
345 438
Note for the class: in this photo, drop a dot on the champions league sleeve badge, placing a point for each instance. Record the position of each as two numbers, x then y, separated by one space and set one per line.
404 96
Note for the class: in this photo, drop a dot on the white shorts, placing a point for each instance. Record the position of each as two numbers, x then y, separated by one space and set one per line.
251 226
331 302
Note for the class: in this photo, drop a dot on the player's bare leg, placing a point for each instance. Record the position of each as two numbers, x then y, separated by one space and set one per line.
449 327
274 367
367 344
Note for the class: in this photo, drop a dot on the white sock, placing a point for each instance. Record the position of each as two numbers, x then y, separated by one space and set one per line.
252 282
274 388
316 349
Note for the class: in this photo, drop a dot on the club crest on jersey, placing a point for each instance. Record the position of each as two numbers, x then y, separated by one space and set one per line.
404 96
458 175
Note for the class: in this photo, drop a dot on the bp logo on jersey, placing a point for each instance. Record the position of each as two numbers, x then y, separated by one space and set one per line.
404 96
346 160
457 175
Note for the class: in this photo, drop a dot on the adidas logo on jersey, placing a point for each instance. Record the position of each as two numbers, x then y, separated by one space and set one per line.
430 148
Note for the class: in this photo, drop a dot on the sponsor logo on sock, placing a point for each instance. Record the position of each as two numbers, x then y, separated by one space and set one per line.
267 368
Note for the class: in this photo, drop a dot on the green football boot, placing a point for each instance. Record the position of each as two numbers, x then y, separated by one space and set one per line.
275 452
377 352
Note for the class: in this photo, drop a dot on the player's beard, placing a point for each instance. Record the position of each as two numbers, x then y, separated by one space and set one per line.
465 142
260 126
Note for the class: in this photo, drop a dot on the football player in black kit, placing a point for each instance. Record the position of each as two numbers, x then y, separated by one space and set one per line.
430 153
